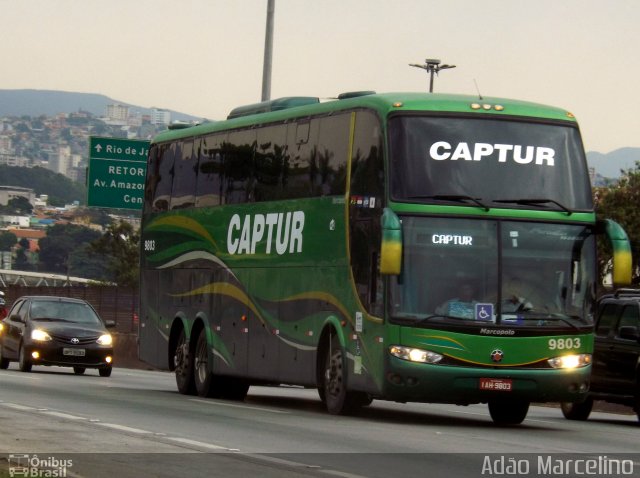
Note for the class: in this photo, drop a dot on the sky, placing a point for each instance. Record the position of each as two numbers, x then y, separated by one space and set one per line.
205 57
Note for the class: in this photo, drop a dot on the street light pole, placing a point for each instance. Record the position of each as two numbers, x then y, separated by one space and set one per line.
432 66
268 52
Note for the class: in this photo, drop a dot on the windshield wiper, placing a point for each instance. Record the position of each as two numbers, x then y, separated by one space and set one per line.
454 197
50 319
525 202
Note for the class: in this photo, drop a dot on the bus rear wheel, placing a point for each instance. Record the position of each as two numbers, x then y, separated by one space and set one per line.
183 363
337 399
205 383
508 412
577 410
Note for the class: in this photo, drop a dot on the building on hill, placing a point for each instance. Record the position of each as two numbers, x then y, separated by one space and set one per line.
7 193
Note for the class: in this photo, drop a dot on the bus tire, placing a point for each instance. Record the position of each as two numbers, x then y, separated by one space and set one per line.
205 382
577 410
338 399
79 370
184 366
508 412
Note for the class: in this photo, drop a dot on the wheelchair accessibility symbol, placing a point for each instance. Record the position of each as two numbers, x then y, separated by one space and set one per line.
484 312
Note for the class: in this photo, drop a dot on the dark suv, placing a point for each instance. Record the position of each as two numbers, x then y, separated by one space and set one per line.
615 375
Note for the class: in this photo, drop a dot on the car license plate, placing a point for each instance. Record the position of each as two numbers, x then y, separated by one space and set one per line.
496 384
73 352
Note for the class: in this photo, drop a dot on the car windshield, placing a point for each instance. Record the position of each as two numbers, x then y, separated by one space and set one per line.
52 310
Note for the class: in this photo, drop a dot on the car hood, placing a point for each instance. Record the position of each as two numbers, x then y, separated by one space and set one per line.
66 329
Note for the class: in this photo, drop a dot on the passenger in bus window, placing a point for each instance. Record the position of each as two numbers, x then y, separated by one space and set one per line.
462 306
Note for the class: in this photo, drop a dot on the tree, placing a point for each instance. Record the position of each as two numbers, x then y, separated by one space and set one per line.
120 245
60 244
620 203
19 206
7 241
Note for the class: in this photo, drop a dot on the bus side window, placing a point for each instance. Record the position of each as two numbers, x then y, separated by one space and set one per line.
238 166
209 187
300 155
329 171
270 162
162 193
153 175
365 210
184 179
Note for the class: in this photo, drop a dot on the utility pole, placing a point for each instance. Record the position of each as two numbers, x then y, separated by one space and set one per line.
268 52
432 66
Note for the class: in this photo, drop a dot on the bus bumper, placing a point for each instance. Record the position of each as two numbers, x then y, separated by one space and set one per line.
419 382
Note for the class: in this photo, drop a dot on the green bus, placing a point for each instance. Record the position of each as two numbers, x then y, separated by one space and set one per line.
402 246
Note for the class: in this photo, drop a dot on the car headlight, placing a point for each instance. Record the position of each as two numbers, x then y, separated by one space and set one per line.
105 339
40 335
414 355
570 361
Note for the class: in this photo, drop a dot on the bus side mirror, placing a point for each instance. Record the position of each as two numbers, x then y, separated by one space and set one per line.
622 261
391 248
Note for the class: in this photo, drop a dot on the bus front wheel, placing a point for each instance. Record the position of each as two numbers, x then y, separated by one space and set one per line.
508 412
183 363
337 399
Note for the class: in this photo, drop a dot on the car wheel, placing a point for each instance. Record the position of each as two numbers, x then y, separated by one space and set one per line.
79 370
577 410
512 412
24 363
4 362
105 372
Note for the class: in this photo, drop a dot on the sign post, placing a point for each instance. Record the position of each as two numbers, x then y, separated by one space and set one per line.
117 168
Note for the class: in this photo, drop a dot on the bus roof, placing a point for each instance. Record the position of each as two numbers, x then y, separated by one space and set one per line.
383 103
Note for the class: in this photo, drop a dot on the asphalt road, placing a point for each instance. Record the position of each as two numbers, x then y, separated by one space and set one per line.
136 424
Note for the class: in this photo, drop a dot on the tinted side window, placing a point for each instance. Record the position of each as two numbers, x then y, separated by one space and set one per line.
164 175
209 190
238 166
365 209
302 138
153 174
184 182
328 168
270 160
607 319
629 317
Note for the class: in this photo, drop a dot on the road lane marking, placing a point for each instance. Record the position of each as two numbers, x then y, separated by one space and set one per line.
245 407
16 406
187 441
124 428
63 415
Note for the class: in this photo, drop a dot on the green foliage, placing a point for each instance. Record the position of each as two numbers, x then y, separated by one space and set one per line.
620 203
61 190
120 247
7 240
59 248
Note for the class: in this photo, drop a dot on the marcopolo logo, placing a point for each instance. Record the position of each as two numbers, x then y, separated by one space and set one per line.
441 150
281 232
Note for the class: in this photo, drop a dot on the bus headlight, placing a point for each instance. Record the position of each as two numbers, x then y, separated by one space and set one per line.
414 355
570 361
40 335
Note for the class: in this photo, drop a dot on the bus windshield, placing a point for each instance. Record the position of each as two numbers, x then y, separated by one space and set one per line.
494 272
488 162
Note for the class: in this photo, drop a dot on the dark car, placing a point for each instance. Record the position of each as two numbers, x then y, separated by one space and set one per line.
56 331
615 375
